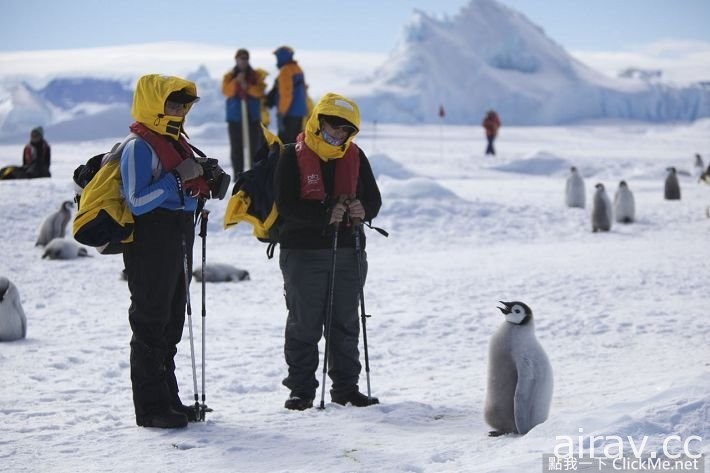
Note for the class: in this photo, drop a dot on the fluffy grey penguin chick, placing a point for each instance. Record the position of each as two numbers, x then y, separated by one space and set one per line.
574 189
62 248
601 210
671 190
624 204
220 272
520 379
13 323
55 225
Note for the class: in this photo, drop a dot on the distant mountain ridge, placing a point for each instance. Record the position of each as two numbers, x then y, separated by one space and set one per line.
486 56
490 56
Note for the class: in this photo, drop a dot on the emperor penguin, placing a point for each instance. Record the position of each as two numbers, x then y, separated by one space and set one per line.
574 189
55 225
220 272
672 187
601 210
624 205
13 323
62 248
520 379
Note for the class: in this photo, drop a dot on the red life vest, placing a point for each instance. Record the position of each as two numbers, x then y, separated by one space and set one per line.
347 169
169 156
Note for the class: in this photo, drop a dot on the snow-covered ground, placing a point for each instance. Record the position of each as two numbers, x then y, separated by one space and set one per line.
622 315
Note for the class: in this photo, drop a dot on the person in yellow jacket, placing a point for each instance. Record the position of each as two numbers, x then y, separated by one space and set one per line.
324 188
243 83
161 183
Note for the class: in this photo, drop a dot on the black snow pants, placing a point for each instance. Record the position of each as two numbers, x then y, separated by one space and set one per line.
236 144
306 276
155 272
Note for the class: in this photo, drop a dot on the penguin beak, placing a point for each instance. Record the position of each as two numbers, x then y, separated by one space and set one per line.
506 309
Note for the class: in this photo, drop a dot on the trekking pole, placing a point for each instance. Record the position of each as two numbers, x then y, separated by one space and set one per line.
357 228
204 216
188 276
329 313
246 145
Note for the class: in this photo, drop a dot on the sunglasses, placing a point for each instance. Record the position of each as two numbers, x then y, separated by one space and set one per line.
176 107
349 129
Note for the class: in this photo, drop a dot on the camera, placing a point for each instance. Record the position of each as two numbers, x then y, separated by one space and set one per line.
217 180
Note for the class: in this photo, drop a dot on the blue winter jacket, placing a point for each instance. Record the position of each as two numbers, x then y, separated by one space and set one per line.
145 185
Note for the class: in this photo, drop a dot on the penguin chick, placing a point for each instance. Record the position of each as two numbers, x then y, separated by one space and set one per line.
624 204
61 248
672 186
13 323
520 380
221 272
55 225
574 189
601 210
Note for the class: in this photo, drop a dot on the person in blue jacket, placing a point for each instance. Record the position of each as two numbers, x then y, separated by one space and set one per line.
288 95
161 182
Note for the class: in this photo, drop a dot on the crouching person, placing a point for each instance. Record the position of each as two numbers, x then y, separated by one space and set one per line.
322 184
161 183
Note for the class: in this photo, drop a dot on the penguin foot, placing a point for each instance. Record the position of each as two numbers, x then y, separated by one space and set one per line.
495 433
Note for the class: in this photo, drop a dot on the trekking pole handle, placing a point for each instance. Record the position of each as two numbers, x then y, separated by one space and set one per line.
204 216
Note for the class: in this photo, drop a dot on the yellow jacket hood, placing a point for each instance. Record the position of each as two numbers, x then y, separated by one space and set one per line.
149 103
335 105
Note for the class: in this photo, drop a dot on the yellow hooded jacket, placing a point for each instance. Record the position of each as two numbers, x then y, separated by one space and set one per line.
240 208
104 219
148 108
333 105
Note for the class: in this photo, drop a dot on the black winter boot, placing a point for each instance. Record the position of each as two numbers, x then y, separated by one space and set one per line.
296 403
165 419
356 398
175 403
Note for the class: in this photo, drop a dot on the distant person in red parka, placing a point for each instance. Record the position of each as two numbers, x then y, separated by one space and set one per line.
491 123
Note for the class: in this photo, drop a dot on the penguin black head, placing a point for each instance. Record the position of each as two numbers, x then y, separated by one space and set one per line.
671 170
599 186
573 169
67 204
516 312
623 184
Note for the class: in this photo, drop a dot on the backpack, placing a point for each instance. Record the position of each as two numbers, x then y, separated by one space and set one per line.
103 219
252 200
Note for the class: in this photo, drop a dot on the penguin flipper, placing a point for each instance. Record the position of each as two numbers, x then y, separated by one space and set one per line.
524 396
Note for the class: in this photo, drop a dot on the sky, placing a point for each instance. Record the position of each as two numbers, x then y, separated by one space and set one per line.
366 25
